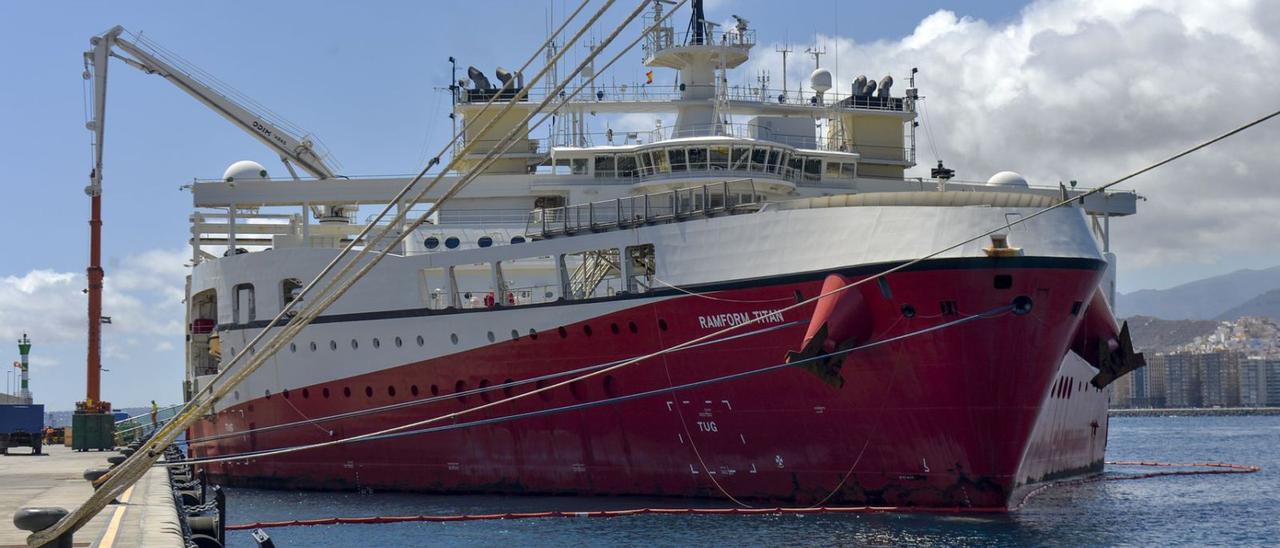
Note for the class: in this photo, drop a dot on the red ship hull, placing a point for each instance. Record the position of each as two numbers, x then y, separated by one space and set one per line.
940 419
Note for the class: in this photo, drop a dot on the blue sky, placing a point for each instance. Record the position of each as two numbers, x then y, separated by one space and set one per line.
362 77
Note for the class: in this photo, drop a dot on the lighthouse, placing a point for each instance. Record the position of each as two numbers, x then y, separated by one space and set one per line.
24 349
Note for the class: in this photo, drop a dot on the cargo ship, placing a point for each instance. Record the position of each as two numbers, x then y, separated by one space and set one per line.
962 381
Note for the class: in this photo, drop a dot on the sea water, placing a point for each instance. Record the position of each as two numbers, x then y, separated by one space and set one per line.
1229 510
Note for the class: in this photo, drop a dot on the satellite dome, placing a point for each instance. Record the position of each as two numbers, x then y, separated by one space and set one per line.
1008 178
245 170
820 80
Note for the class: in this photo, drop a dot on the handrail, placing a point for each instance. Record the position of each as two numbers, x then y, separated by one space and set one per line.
727 196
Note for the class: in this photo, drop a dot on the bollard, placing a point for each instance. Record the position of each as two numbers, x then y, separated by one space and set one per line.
128 451
92 475
40 518
116 459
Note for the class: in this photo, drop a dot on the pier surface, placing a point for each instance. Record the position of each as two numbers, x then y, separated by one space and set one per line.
1197 412
144 517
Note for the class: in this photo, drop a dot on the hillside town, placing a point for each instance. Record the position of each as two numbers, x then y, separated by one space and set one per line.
1235 365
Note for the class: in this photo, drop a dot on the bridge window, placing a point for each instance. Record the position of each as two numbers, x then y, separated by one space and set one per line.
848 170
812 169
289 290
698 159
432 242
579 166
452 242
774 156
605 165
676 157
741 156
720 158
627 165
833 170
646 164
484 241
759 157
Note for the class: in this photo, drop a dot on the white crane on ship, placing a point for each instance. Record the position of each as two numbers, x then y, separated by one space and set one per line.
294 150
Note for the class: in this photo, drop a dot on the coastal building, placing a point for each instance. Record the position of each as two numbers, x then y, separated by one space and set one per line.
1219 378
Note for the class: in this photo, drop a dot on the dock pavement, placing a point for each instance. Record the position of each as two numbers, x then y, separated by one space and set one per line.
146 515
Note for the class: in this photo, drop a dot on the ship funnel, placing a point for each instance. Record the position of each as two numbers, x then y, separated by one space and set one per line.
480 80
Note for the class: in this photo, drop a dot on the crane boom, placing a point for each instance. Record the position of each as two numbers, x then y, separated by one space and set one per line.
293 149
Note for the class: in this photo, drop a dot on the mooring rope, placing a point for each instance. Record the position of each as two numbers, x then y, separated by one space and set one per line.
1205 468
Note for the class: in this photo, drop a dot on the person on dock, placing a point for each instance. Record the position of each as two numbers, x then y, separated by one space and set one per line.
155 415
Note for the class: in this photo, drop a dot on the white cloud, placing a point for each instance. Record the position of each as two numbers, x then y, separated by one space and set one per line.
1093 89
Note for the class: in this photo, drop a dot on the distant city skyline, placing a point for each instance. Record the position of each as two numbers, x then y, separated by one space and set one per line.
1057 90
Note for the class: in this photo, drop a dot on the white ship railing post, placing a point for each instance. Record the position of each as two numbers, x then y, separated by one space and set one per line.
231 229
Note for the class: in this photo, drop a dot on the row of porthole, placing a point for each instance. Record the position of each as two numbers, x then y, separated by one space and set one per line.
453 337
452 242
608 383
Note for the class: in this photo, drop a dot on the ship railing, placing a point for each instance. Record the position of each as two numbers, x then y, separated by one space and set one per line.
648 93
665 38
726 197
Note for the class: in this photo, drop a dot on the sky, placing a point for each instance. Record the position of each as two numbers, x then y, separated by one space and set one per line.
1056 90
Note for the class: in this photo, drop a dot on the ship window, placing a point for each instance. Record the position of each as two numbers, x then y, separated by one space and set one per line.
631 326
354 344
586 330
515 335
533 334
490 336
1075 308
506 387
646 164
660 163
579 166
391 391
627 165
774 156
435 390
432 242
452 242
698 159
413 389
848 170
484 241
346 391
325 392
313 346
1002 281
377 343
242 309
286 393
517 239
399 342
794 164
833 170
720 158
420 341
759 156
453 337
812 169
605 165
293 347
676 157
306 394
459 387
368 391
662 324
740 157
333 345
563 332
289 290
613 327
485 395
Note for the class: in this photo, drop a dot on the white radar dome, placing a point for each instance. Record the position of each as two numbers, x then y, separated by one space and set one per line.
245 170
1008 178
820 80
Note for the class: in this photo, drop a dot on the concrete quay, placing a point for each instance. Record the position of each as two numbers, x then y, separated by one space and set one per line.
145 516
1196 412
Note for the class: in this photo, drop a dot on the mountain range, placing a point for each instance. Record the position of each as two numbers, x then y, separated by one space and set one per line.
1226 297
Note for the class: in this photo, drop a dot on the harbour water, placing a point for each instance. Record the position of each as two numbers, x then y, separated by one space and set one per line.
1235 510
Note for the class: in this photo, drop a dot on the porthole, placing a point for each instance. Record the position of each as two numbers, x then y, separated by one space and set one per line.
515 335
354 344
452 242
325 392
391 391
575 388
268 393
564 333
586 330
453 337
237 395
333 345
346 391
908 311
435 390
313 346
631 326
533 334
306 394
458 388
517 239
613 327
662 324
490 336
413 390
431 242
368 391
506 387
399 342
544 395
484 394
484 241
286 393
293 347
377 343
420 341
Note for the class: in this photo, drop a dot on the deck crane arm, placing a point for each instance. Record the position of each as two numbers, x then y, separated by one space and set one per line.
293 150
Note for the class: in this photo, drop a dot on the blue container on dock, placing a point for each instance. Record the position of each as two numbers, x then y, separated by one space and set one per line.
21 425
120 416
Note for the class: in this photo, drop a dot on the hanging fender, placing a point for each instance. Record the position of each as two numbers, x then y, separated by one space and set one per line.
840 321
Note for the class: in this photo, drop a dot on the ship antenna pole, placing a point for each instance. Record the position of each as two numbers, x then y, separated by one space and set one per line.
784 49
